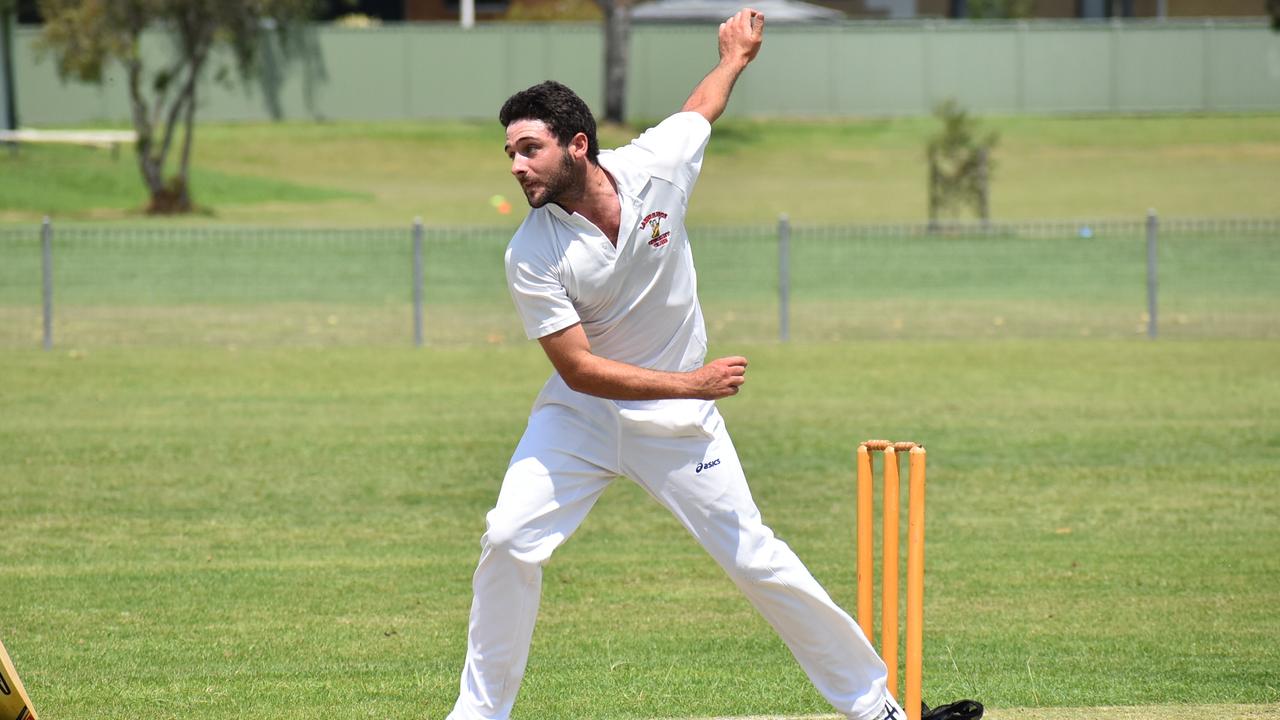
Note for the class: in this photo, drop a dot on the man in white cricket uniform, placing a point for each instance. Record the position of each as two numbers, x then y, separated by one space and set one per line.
602 275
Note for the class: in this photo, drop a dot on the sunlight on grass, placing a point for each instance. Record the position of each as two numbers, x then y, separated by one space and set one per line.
835 171
295 527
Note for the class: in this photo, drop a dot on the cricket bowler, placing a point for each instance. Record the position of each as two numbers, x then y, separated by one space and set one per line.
602 276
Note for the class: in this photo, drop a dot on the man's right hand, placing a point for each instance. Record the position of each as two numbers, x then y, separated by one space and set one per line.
740 37
720 378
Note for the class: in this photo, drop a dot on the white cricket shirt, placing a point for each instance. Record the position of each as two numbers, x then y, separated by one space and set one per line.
637 302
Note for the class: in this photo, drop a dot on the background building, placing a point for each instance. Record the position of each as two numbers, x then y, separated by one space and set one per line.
447 10
914 9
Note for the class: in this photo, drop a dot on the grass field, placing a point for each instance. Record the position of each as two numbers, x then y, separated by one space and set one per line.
233 489
290 532
847 171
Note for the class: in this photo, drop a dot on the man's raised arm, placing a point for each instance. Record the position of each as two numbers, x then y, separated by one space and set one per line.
740 38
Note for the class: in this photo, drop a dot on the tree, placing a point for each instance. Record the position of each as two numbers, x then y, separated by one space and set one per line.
996 9
617 40
1273 7
959 164
8 94
552 11
86 35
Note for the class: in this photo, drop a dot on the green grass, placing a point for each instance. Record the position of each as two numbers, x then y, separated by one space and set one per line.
198 532
233 488
73 182
848 171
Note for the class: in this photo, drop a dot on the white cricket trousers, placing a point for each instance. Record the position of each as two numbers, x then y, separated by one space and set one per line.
680 452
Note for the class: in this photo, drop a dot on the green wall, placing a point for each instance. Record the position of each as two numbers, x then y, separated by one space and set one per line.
441 71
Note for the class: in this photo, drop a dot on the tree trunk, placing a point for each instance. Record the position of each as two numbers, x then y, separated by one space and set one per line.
617 39
174 196
170 197
10 101
151 175
188 139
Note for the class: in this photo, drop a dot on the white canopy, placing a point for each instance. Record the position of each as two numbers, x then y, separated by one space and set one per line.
775 11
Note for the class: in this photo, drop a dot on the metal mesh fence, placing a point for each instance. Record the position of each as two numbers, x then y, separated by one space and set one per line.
156 286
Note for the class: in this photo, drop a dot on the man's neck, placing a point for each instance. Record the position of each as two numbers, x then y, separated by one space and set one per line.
598 202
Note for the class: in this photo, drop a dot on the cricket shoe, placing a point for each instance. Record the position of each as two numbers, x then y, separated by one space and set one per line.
958 710
891 710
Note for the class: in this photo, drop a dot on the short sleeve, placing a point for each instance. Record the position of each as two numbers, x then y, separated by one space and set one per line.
672 149
540 297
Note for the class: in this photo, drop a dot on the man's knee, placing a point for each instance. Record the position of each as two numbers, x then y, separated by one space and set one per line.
508 537
760 556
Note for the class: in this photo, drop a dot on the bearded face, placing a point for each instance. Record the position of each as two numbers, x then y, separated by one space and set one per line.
563 180
545 170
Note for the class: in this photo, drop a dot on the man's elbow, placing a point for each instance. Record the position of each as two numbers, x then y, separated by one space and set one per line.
576 374
574 380
707 112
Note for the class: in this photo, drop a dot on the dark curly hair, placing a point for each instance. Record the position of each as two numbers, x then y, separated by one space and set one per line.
559 107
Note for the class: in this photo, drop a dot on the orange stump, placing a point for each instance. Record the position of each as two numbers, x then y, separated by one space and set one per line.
890 526
915 582
889 569
866 502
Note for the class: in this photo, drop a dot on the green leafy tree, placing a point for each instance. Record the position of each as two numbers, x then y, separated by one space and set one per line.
88 35
959 164
553 11
1273 7
996 9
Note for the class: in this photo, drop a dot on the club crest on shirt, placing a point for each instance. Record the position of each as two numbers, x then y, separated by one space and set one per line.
657 236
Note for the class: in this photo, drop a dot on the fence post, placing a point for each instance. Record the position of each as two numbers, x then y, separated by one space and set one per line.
417 282
1206 69
46 250
784 278
1153 275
